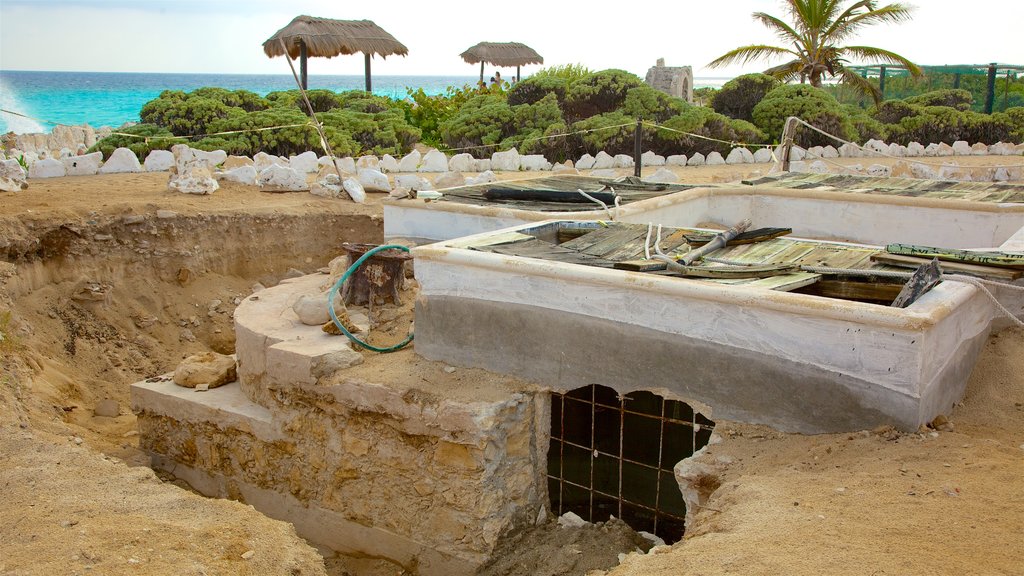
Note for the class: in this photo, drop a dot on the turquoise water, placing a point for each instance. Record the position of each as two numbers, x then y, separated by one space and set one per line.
113 98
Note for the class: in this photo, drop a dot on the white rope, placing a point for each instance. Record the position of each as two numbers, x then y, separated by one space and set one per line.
608 211
647 241
732 143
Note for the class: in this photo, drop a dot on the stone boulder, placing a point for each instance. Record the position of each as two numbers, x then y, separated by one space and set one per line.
347 164
48 168
829 152
944 149
624 161
850 150
603 161
208 369
763 155
739 156
961 148
374 180
12 176
696 159
797 153
897 150
312 308
242 175
534 162
410 162
979 149
368 163
281 179
262 161
876 146
213 158
714 159
85 165
305 163
449 180
161 161
586 162
663 176
413 182
915 150
434 161
484 177
232 162
566 168
121 161
818 167
507 161
482 165
461 163
388 164
191 174
354 189
879 171
676 160
932 149
649 158
814 152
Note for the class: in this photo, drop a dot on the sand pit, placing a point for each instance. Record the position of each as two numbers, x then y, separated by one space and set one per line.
112 279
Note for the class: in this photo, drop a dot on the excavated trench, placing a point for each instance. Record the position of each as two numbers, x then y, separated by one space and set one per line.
99 303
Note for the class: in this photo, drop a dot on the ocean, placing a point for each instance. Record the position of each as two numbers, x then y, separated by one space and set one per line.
113 98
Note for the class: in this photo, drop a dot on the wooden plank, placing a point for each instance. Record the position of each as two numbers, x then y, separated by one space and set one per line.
641 265
784 283
728 272
1000 259
991 272
748 237
924 279
854 289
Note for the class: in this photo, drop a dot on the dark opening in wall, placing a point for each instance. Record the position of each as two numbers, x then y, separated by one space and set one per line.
613 456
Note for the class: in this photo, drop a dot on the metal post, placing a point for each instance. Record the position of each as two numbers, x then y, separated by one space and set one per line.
302 65
956 80
638 138
990 93
881 80
369 86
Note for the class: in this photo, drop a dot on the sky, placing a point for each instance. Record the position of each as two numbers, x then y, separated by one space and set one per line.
226 36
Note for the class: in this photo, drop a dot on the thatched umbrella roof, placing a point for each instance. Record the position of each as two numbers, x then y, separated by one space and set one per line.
325 37
502 54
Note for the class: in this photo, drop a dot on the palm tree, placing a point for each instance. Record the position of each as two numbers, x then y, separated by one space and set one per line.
819 26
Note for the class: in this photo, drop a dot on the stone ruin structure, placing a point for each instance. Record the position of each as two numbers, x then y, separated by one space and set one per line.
672 80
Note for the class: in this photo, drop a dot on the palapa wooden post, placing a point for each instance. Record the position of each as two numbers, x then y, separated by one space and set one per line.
787 142
637 146
302 65
481 70
369 87
517 73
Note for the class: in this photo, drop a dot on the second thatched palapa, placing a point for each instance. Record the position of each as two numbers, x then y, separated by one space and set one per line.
502 54
324 37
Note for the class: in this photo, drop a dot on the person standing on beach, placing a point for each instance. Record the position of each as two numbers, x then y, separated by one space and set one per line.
496 79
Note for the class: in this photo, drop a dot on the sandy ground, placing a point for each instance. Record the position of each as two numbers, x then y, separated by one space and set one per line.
78 499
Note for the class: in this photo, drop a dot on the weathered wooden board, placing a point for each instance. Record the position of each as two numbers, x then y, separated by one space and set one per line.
991 272
989 192
999 259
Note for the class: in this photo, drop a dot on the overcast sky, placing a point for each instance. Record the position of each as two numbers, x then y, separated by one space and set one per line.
225 36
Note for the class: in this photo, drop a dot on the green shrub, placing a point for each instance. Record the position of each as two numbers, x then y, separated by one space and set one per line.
598 93
534 88
535 127
605 133
892 111
812 105
652 105
865 126
738 96
945 124
428 112
483 121
568 72
953 98
153 138
1014 117
709 124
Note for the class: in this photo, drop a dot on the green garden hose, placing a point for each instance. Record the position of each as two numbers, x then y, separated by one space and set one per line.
333 292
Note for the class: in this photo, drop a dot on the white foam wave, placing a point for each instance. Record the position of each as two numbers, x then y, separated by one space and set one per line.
9 122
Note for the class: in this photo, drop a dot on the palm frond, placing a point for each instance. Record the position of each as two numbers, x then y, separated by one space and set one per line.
792 70
891 14
746 54
859 83
872 53
840 21
784 31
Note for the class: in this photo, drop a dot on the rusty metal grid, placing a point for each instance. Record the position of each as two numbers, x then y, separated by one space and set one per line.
613 456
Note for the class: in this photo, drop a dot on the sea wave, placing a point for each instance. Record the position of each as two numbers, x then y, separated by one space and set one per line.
11 102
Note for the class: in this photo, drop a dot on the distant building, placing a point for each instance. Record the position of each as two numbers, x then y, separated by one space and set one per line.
672 80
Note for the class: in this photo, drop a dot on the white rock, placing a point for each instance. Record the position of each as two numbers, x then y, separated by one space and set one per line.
65 153
876 146
388 164
242 175
979 149
696 159
327 188
121 161
374 180
818 167
484 177
534 162
563 169
81 150
603 161
676 160
571 520
664 176
944 149
623 161
461 163
262 161
368 162
197 180
915 150
604 173
434 161
814 152
312 308
482 165
1001 174
413 182
231 162
961 148
586 162
1001 149
85 165
796 153
410 162
923 171
12 176
932 149
896 150
209 368
347 164
281 179
159 161
213 158
714 159
649 158
879 171
47 168
305 163
849 151
737 156
798 166
354 189
449 180
400 193
763 155
829 152
507 161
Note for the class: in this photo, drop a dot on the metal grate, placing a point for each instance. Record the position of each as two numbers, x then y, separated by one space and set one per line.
613 456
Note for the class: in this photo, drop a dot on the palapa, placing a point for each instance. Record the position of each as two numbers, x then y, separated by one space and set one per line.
324 37
502 54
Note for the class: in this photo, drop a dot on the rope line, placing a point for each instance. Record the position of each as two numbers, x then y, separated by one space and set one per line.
732 143
539 138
